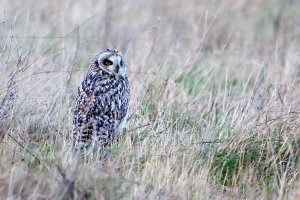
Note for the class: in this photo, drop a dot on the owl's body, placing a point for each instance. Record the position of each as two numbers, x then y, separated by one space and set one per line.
102 101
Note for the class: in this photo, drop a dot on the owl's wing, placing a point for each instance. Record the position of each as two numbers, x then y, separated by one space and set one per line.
88 115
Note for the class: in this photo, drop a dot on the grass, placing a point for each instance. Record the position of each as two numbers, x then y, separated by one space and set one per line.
214 110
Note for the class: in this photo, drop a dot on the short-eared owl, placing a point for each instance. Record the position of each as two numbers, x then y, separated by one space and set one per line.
102 102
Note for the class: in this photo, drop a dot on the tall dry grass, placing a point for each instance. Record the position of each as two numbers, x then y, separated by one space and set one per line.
214 109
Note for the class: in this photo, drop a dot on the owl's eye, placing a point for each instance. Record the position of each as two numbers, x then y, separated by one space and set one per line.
107 62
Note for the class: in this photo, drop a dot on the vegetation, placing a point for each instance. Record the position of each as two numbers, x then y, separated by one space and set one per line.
215 107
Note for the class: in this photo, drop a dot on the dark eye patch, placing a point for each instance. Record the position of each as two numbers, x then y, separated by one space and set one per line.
122 63
107 62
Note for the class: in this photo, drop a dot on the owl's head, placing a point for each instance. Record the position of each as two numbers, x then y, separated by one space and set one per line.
112 61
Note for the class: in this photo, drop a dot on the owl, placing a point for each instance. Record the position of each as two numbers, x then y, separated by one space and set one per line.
102 101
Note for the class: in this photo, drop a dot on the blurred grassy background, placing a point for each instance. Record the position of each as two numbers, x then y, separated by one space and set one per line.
214 109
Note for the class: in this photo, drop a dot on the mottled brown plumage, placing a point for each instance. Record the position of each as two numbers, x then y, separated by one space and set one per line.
102 102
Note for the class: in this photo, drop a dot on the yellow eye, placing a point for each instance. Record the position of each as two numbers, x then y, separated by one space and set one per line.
107 62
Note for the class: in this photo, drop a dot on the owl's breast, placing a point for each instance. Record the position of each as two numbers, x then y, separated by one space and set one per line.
111 97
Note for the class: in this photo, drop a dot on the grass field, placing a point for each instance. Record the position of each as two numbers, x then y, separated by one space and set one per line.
215 107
